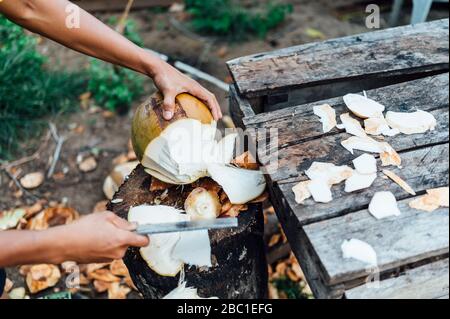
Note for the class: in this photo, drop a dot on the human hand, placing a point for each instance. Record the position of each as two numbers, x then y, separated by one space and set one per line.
99 237
172 82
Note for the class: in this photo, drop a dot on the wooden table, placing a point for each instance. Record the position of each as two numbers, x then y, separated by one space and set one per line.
403 68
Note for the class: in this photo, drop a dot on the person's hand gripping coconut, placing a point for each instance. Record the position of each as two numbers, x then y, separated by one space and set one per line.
103 236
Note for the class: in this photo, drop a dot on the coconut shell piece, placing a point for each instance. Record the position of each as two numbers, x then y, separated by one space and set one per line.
52 216
399 181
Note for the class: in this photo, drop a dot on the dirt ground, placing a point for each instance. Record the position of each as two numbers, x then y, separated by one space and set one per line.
106 135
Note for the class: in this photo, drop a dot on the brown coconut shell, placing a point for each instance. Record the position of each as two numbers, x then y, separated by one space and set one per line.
148 121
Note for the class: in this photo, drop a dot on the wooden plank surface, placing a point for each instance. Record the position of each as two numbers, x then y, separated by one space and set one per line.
302 141
398 241
423 169
399 51
430 281
113 5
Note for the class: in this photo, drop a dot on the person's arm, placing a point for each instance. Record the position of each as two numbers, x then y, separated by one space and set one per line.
98 237
94 38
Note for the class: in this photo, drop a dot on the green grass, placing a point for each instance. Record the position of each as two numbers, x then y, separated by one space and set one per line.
292 289
29 93
230 19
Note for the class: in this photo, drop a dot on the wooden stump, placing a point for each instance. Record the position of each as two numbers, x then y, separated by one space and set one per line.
238 255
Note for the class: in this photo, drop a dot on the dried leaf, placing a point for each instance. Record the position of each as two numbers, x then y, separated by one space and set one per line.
399 181
101 286
32 180
42 276
90 268
118 291
118 268
103 275
52 216
87 165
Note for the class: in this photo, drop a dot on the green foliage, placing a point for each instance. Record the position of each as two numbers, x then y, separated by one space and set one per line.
112 87
228 18
290 288
28 91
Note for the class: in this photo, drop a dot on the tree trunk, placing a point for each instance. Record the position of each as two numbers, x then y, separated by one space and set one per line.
238 255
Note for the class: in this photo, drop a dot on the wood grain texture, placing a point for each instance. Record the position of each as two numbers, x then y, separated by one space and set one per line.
398 241
404 50
423 169
425 282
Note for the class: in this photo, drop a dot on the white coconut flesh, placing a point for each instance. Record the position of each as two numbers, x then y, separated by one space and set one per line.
327 116
359 181
366 144
379 126
320 191
411 123
159 254
240 185
384 204
202 204
328 172
117 177
301 192
362 106
359 250
183 292
352 126
365 164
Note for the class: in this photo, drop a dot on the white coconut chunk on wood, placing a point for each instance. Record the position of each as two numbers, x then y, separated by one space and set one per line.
183 292
240 185
365 144
359 250
193 248
400 182
328 172
167 253
389 156
384 204
411 123
362 106
379 126
352 126
327 116
359 181
301 192
365 164
320 191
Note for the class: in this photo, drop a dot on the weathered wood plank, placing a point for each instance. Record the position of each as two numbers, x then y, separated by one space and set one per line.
430 281
404 50
293 160
113 5
239 108
423 169
398 241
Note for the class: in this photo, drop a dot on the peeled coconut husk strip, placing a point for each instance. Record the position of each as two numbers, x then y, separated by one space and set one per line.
202 204
411 123
399 181
435 198
362 106
148 121
117 177
359 250
327 116
240 185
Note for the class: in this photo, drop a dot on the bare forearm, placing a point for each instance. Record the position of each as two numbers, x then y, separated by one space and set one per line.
93 38
31 247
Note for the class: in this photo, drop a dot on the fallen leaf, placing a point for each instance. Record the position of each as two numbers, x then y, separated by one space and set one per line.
118 291
84 100
103 275
52 216
88 165
11 218
42 276
24 270
32 180
90 268
118 268
399 181
314 33
101 286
